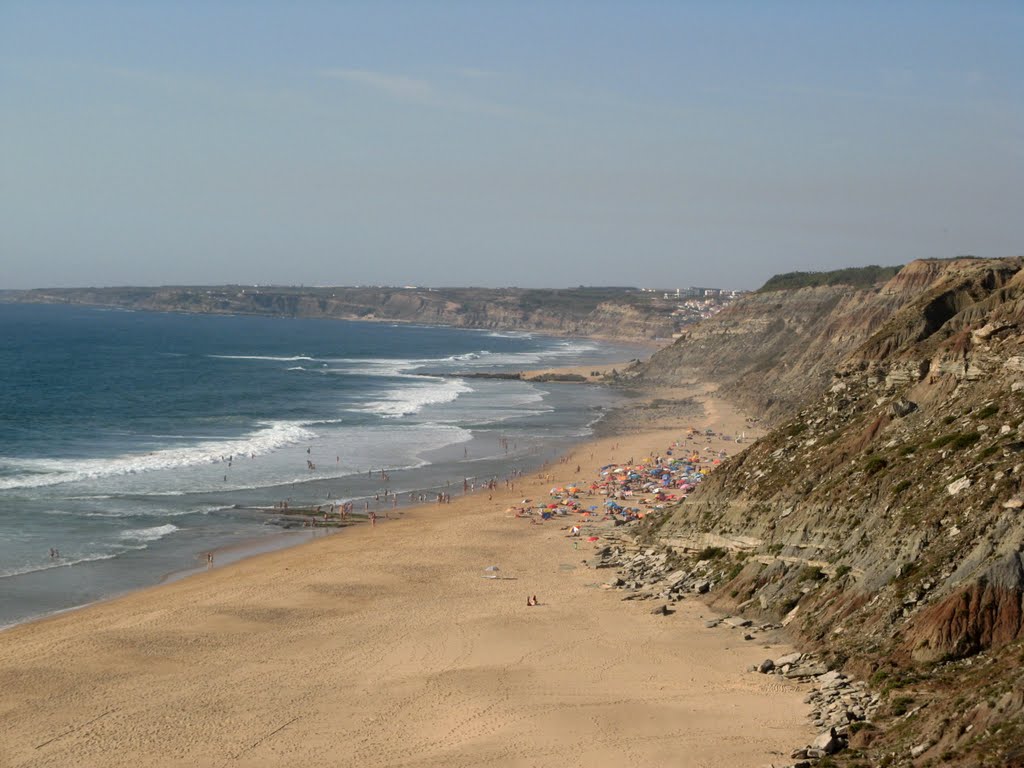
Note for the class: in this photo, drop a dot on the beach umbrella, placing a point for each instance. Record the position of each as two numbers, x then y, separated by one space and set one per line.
491 572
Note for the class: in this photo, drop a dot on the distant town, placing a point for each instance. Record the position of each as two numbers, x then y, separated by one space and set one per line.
695 303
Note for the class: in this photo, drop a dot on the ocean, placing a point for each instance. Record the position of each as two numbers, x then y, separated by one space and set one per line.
134 442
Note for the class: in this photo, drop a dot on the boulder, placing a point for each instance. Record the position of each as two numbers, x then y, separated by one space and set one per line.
737 621
812 670
828 742
901 407
831 679
958 485
766 666
789 658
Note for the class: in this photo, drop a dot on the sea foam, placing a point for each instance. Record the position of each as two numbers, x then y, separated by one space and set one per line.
37 473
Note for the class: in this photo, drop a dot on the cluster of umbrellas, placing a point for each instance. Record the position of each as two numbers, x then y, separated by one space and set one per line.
653 481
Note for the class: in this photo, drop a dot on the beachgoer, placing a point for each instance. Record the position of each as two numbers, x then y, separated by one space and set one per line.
209 559
535 600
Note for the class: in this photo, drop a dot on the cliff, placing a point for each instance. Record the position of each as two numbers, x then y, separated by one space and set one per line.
618 313
882 519
773 349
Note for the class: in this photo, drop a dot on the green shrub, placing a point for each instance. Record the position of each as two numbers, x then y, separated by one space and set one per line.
989 451
842 570
956 440
794 429
907 450
875 464
943 440
901 705
900 487
989 410
965 440
879 677
810 573
711 553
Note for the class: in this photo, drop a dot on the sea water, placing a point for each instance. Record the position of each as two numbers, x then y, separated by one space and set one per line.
133 442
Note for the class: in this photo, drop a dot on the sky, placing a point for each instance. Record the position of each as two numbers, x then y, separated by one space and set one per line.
537 144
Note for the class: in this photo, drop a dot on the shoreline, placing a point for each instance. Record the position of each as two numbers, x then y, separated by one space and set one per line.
277 540
101 581
417 660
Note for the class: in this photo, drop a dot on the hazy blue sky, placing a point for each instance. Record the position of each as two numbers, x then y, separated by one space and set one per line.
519 143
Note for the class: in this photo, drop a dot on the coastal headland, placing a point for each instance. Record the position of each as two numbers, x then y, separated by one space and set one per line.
392 645
606 312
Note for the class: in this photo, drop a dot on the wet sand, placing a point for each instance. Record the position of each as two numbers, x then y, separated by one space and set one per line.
385 646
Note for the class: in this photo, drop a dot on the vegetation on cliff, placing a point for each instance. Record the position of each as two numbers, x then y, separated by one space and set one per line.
883 519
856 277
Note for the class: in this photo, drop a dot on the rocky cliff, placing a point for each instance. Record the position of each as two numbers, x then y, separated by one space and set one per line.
774 349
617 313
882 519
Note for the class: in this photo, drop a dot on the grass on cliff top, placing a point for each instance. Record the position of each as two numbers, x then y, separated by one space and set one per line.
858 277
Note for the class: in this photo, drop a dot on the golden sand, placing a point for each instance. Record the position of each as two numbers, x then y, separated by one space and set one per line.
385 646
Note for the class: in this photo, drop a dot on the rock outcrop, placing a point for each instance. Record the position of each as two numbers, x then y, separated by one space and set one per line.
882 520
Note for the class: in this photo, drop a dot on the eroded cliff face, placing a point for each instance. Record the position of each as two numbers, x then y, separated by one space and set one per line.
883 519
772 351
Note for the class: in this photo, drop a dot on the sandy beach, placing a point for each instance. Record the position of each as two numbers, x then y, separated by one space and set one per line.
386 646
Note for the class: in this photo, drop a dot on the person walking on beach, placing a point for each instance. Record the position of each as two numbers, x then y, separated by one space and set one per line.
209 559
